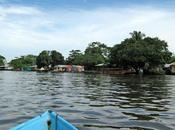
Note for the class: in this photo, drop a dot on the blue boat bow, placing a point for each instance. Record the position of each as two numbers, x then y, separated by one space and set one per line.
47 121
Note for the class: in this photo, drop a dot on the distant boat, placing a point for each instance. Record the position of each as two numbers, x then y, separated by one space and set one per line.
47 121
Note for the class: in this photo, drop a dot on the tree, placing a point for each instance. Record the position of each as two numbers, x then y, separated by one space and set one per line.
96 53
172 59
75 57
157 51
137 51
98 48
56 58
137 36
2 59
29 60
23 61
44 59
90 59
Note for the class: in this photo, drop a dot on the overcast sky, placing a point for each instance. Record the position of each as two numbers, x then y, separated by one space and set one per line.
30 26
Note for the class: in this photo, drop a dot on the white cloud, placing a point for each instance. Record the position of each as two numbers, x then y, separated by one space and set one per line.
26 30
19 10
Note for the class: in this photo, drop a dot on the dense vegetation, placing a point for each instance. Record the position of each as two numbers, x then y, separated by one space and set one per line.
2 58
47 58
94 54
76 57
138 51
23 61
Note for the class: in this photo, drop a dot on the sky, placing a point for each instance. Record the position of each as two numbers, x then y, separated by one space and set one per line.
30 26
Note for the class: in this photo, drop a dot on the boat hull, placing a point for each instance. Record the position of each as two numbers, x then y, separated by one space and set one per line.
47 121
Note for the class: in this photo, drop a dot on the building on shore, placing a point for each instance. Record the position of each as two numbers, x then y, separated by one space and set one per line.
170 68
59 68
77 68
2 67
6 66
68 68
105 69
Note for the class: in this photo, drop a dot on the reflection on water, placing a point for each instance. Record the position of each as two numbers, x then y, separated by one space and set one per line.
90 102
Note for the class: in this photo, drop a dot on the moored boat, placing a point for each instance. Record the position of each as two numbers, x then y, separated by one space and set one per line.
47 121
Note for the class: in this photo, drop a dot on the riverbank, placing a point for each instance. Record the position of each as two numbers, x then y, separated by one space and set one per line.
112 71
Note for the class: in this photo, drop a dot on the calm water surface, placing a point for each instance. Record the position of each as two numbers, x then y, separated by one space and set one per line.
90 102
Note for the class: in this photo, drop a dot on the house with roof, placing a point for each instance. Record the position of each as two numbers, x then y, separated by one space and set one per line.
170 68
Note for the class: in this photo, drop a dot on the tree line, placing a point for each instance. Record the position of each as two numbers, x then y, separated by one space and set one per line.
2 58
137 51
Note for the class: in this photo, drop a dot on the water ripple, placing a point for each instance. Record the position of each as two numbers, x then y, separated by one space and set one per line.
90 102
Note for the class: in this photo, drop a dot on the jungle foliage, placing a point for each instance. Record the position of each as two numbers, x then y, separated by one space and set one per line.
2 58
133 52
23 61
46 58
140 50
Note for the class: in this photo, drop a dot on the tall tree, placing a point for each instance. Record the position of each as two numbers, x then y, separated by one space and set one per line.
23 61
75 57
43 59
152 51
56 58
137 35
46 58
92 59
98 48
96 53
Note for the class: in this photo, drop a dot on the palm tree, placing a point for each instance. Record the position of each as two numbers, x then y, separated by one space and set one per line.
137 36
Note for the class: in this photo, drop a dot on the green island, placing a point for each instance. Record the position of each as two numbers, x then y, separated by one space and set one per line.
136 54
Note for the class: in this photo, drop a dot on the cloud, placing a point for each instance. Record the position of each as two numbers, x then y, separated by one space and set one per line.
26 30
19 10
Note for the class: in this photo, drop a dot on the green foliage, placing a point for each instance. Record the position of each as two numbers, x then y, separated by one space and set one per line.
2 58
172 59
47 58
157 51
136 51
137 36
23 61
56 58
98 48
92 59
75 57
96 53
44 59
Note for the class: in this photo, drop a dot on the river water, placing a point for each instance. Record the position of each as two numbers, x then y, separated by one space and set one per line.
90 102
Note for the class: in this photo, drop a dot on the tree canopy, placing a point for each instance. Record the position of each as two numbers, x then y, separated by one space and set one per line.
23 61
75 57
46 58
135 52
172 59
2 58
138 50
98 48
43 59
96 53
56 58
137 35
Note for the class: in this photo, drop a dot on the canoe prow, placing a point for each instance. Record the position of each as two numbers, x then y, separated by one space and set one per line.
47 121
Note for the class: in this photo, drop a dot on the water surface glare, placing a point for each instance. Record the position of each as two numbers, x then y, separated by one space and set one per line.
90 102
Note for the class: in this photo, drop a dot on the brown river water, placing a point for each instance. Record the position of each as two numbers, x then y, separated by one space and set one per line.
89 101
